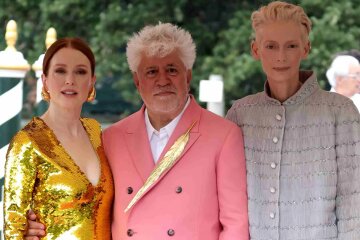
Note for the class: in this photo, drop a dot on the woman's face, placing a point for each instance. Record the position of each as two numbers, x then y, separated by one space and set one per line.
280 47
69 78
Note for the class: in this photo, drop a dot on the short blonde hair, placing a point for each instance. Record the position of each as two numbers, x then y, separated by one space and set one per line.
281 11
160 40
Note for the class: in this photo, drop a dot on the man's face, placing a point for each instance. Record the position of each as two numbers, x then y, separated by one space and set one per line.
349 84
163 84
354 78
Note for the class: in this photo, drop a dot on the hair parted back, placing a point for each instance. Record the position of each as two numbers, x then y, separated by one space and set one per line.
68 42
160 40
281 11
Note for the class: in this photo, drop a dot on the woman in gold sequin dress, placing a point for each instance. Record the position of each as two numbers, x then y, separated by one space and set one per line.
56 165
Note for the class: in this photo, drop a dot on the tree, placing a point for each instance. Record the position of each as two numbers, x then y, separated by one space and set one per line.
221 30
202 18
335 29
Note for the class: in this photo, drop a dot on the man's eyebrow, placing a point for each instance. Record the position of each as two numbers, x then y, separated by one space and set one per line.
151 67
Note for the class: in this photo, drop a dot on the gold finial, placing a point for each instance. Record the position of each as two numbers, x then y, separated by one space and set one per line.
11 35
50 37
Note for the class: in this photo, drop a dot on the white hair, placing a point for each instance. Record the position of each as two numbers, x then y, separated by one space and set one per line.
160 40
340 67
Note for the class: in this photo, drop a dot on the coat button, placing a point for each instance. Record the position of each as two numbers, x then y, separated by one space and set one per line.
278 117
179 189
130 190
171 232
273 165
130 232
275 139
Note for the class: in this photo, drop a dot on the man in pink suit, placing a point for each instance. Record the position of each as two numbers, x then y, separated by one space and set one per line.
179 170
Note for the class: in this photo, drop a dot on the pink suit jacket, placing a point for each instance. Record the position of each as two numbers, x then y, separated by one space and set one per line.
202 197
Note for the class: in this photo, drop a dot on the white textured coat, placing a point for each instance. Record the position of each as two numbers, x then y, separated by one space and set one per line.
303 158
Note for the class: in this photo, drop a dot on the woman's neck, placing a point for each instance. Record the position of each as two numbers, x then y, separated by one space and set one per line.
61 120
282 91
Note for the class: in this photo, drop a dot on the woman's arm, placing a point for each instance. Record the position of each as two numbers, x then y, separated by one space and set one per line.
20 175
348 161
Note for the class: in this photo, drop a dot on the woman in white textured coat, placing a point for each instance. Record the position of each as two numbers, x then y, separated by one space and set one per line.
302 144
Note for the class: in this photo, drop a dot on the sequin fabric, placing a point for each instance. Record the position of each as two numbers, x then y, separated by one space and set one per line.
40 175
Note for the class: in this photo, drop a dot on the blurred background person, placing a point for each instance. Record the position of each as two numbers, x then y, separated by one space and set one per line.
352 52
344 77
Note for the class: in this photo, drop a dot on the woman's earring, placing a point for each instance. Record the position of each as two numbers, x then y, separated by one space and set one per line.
92 95
45 94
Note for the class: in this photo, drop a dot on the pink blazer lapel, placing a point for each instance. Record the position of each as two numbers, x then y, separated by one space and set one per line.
138 144
192 114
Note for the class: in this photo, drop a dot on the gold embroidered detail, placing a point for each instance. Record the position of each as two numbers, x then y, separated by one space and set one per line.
166 163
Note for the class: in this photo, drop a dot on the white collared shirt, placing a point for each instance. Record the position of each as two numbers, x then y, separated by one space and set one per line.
159 139
356 99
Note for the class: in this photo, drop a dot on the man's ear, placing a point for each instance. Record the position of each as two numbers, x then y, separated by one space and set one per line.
339 80
188 76
188 79
255 49
136 80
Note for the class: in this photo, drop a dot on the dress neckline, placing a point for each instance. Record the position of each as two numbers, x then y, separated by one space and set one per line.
88 132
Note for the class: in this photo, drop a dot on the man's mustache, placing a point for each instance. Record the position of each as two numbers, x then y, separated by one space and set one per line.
160 90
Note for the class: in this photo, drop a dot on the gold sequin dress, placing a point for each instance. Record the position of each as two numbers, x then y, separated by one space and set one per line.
40 175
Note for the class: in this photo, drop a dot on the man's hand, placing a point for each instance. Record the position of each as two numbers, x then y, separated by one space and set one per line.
36 229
